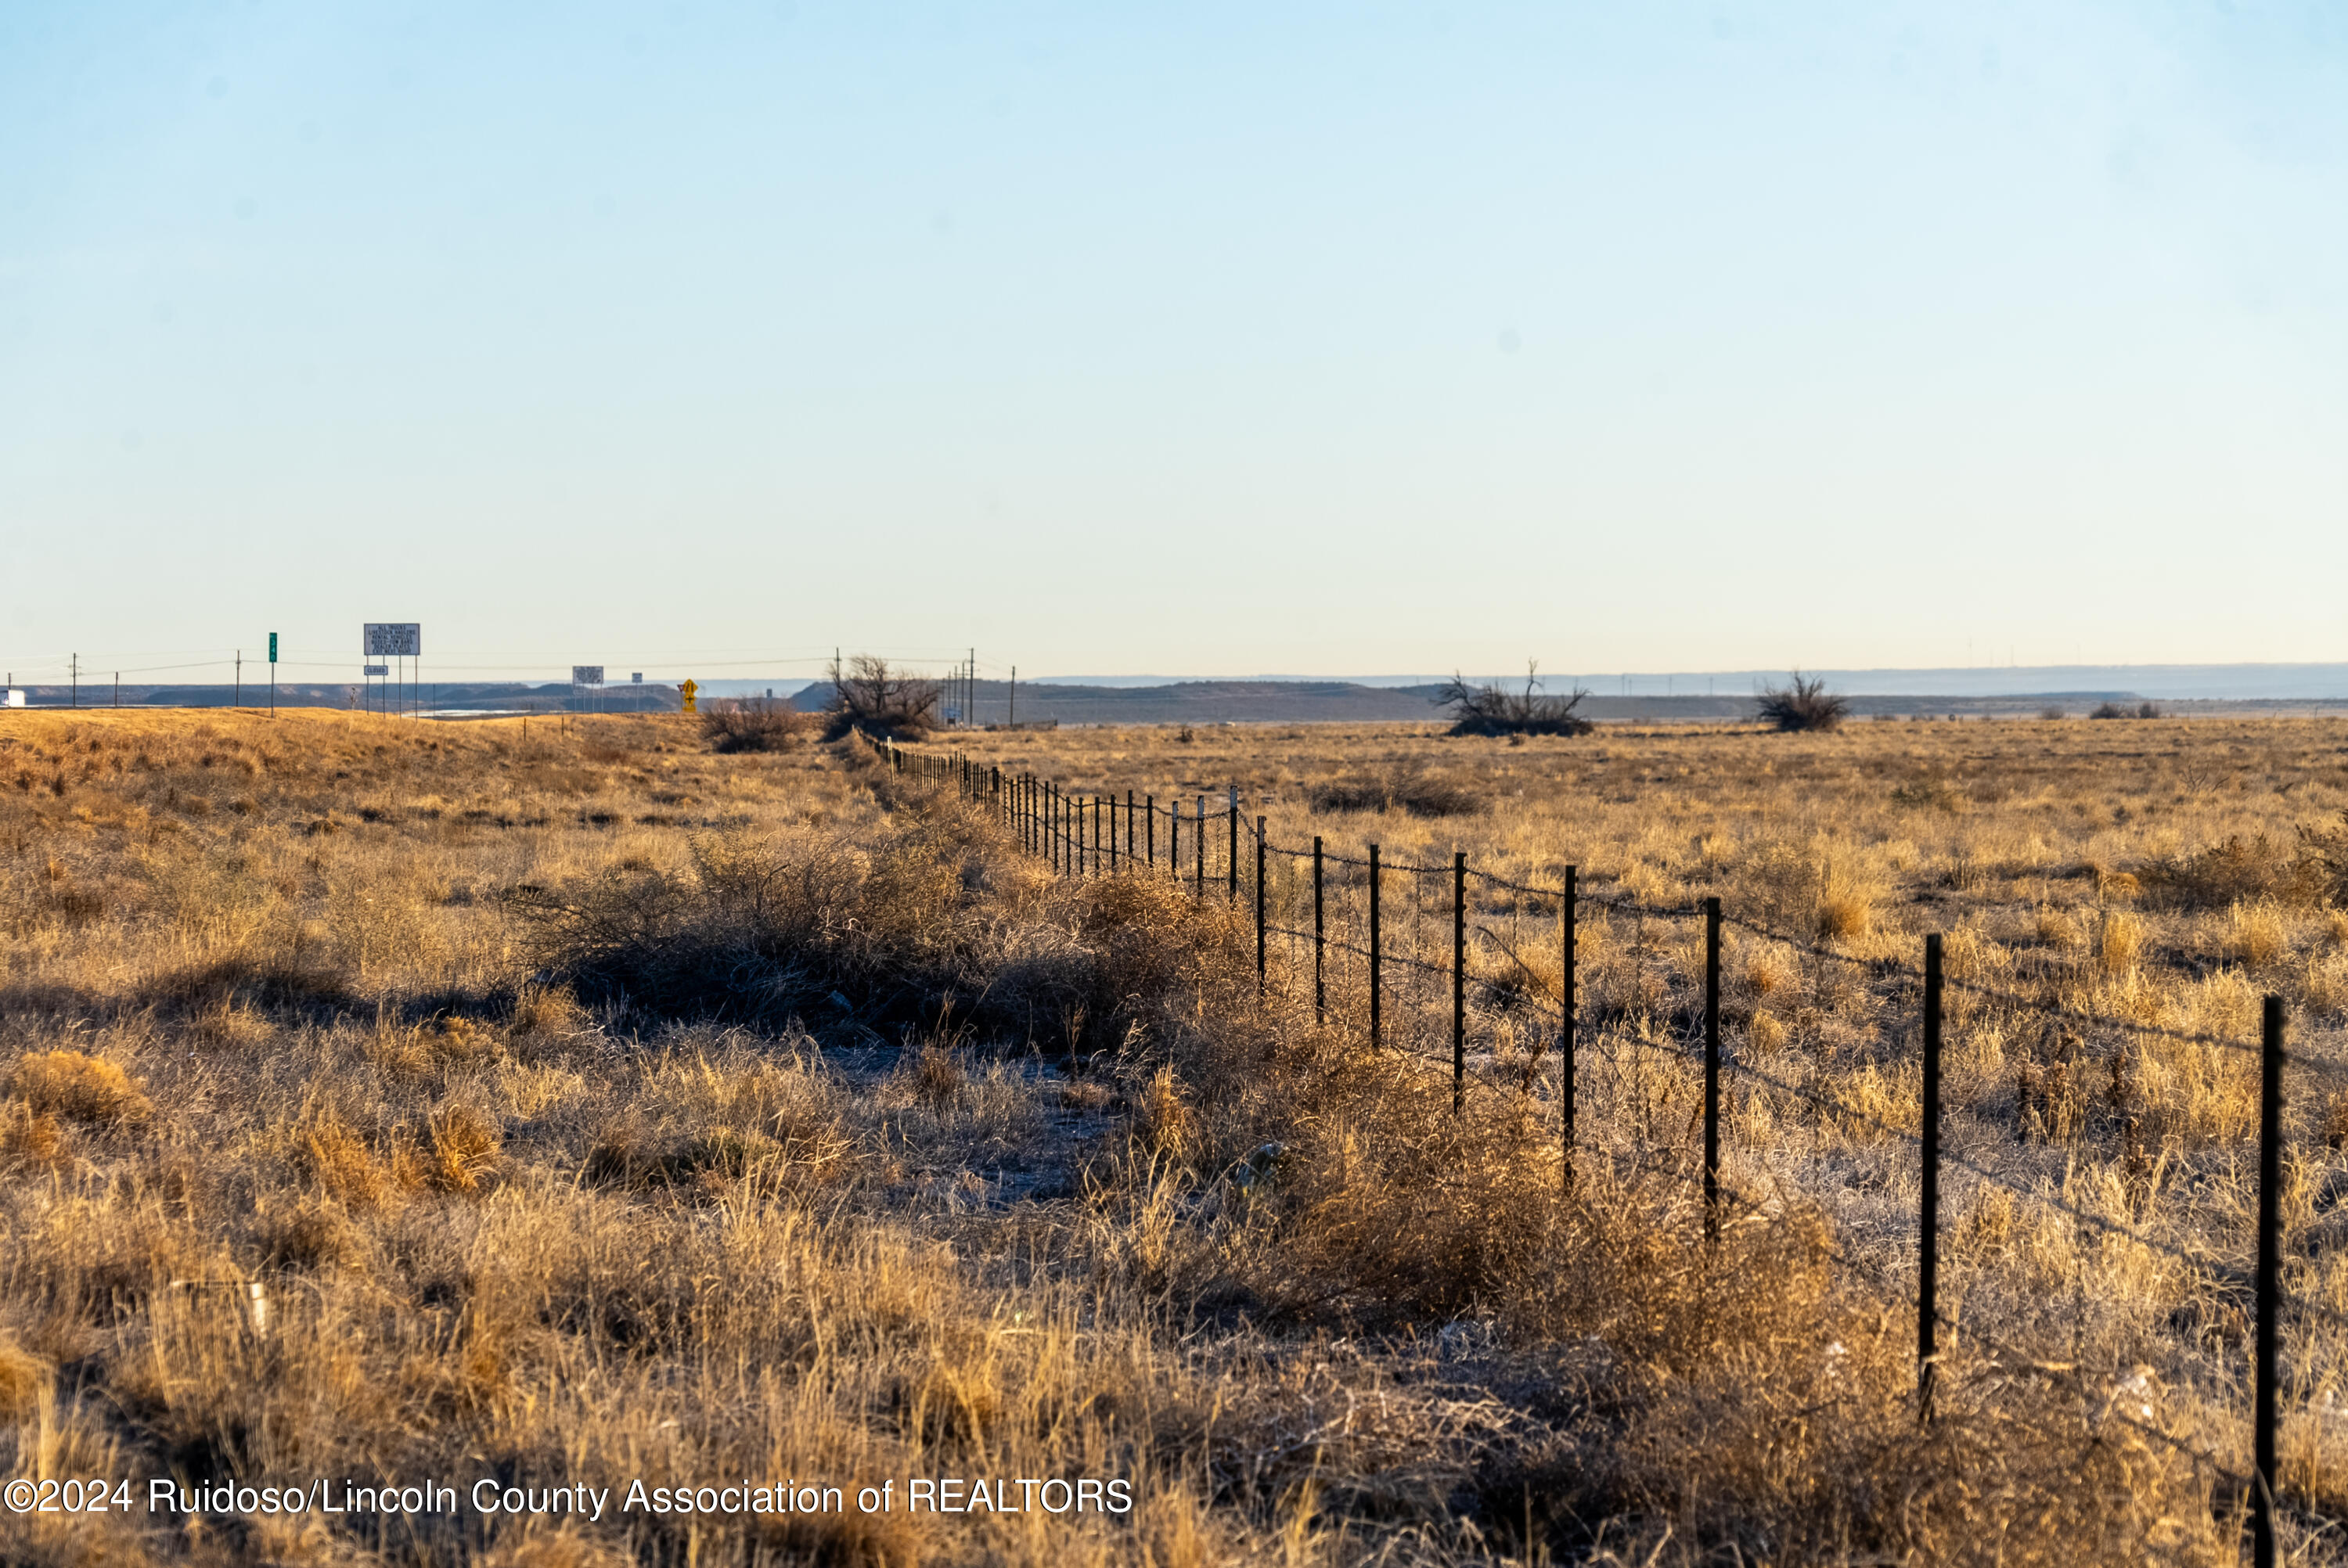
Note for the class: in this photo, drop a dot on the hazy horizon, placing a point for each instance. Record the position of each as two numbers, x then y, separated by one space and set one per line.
2164 682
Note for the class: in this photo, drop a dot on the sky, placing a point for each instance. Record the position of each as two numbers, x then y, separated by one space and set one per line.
1209 338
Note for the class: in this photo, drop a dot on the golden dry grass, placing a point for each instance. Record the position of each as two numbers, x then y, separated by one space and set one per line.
599 1108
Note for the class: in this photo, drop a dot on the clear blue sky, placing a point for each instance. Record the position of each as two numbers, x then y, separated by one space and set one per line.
1207 339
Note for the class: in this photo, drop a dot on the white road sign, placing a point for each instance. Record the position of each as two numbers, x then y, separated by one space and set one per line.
394 640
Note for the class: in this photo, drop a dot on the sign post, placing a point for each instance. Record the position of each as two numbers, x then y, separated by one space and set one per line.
394 640
590 676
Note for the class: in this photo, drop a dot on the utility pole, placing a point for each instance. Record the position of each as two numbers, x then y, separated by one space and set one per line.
1011 719
118 688
77 680
236 692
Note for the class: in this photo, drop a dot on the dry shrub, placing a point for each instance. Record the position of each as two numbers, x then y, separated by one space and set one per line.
2324 988
1488 709
1966 955
1767 973
2238 870
1846 907
751 931
1400 1225
2058 929
2257 935
730 725
871 940
2323 861
1766 1033
79 1088
461 1146
1819 893
546 1014
2119 945
459 1041
1932 792
1801 704
1163 1119
1403 786
938 1078
342 1163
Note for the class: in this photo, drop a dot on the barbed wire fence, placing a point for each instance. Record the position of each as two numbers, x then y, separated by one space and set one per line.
1494 969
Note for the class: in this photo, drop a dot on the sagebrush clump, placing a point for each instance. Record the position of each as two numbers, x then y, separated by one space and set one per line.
1802 705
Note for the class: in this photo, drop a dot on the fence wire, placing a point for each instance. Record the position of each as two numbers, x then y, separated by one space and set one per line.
1383 947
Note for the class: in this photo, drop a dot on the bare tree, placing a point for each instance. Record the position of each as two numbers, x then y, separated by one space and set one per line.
872 695
1490 710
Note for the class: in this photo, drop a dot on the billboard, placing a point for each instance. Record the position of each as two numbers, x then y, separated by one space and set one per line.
586 674
394 640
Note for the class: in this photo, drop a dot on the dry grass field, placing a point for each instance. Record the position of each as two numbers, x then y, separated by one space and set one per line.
388 1100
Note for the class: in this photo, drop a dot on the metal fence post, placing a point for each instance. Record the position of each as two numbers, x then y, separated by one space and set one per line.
1258 906
2270 1287
1927 1222
1129 830
1459 980
1567 915
1231 859
1320 984
1374 948
1712 1069
1149 828
1199 848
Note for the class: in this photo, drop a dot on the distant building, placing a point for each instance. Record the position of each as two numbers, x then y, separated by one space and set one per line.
15 699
